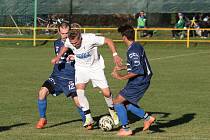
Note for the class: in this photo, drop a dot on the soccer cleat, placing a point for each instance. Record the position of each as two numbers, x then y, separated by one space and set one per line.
148 123
41 123
89 123
89 127
124 132
114 116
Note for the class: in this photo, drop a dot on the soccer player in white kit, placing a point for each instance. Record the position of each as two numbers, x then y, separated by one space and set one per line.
89 65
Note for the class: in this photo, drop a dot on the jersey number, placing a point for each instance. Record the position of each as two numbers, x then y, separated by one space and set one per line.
71 85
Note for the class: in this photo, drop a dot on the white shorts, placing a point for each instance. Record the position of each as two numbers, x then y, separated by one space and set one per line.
97 76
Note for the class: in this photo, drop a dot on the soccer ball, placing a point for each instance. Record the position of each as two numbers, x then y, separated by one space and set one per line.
106 123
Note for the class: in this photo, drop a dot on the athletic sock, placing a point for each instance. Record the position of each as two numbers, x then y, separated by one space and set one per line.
84 103
42 106
136 110
82 114
109 102
83 100
146 116
122 113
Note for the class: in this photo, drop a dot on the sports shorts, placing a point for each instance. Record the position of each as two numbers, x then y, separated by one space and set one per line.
57 85
133 93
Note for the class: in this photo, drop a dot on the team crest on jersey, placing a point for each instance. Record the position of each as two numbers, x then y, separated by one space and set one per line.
133 55
83 55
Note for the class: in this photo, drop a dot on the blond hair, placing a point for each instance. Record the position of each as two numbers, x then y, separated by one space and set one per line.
75 31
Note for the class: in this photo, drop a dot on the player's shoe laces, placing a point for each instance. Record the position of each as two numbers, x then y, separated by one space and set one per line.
124 132
41 123
148 123
114 116
89 123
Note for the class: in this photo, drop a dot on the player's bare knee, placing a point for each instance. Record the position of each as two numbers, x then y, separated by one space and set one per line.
118 100
43 92
115 101
106 92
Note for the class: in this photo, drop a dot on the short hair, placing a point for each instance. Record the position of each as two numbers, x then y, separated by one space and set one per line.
75 31
128 31
63 25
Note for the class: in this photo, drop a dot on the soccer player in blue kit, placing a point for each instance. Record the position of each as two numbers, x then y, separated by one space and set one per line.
62 79
139 74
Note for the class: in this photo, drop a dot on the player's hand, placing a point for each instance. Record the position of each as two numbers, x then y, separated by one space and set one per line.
119 68
115 74
71 57
55 60
118 60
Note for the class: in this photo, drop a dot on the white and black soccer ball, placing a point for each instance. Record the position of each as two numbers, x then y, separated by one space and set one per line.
106 123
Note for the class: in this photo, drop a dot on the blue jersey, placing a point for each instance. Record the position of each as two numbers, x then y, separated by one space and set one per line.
137 63
63 69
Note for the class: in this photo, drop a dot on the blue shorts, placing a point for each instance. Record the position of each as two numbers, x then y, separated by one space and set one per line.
134 93
57 85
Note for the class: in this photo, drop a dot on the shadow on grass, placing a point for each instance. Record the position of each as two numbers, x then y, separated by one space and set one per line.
96 119
158 126
63 123
6 128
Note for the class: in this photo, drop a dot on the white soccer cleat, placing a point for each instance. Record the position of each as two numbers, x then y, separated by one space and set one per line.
114 116
89 121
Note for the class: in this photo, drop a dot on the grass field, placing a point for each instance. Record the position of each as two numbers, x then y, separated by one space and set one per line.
179 95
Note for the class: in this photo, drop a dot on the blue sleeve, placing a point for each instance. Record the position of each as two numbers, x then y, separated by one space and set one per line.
134 63
58 44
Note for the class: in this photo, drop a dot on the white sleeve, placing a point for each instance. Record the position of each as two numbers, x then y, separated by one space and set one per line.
67 43
98 40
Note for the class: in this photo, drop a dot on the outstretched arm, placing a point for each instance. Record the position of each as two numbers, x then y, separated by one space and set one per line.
117 59
118 76
57 58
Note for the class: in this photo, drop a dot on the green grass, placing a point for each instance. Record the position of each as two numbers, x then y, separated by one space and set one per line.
178 95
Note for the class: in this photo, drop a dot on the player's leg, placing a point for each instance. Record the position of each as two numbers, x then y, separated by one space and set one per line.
99 80
135 94
84 104
81 79
122 114
69 89
79 109
109 101
148 120
42 104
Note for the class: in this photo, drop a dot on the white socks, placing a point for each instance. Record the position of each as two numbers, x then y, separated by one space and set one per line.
109 101
83 100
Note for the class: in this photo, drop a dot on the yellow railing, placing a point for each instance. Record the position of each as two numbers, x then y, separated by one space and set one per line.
35 38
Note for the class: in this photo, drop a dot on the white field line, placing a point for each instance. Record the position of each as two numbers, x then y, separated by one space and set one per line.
176 56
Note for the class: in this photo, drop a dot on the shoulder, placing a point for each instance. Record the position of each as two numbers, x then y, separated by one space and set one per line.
136 47
88 35
135 50
92 38
67 42
58 42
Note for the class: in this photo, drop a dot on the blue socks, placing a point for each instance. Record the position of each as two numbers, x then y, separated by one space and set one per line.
138 111
82 114
122 113
42 106
135 110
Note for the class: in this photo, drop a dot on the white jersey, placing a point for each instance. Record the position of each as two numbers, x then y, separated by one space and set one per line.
87 55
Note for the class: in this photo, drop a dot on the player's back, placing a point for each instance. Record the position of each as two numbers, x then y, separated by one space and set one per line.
138 64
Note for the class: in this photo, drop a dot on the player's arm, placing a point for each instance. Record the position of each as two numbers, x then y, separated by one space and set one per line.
117 59
57 58
127 76
119 68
